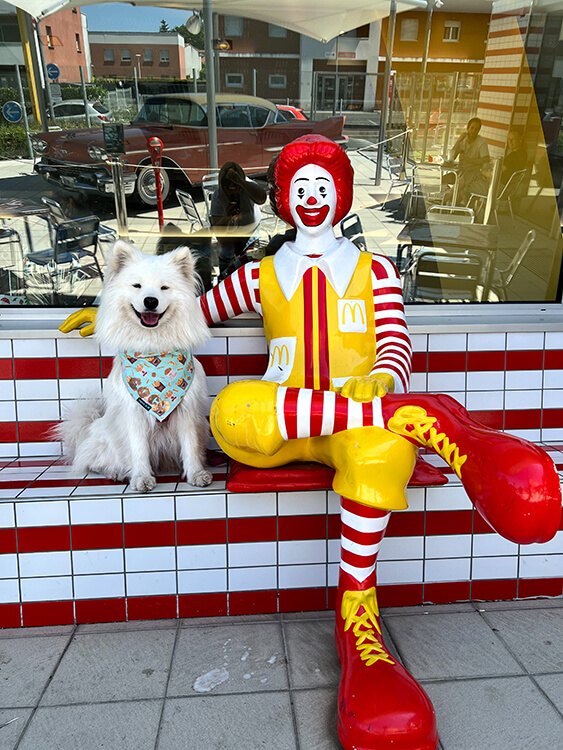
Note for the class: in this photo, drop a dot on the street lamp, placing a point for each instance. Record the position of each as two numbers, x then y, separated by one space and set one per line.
193 24
138 56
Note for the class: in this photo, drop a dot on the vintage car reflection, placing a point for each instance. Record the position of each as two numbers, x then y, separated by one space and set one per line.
249 132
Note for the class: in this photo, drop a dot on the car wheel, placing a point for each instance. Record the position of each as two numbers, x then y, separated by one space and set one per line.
146 185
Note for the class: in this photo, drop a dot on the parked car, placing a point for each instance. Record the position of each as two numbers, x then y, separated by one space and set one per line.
247 132
291 113
73 109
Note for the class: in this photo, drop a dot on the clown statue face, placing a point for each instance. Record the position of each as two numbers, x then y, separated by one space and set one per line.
312 201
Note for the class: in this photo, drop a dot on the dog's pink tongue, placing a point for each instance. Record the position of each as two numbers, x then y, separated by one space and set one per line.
149 318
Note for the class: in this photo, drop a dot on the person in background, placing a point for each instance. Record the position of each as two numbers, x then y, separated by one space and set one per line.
473 153
516 158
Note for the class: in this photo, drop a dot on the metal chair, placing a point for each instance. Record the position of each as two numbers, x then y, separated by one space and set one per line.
57 216
190 209
73 241
351 227
427 185
451 214
503 277
11 237
510 191
396 168
441 277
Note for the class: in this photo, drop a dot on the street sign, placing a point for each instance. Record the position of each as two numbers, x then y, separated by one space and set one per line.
53 71
12 111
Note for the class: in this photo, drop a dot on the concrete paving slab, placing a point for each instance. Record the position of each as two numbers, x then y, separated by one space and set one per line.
450 645
316 718
126 627
520 604
552 685
198 622
11 730
46 630
240 658
126 726
112 666
26 665
313 661
534 636
228 722
434 609
498 714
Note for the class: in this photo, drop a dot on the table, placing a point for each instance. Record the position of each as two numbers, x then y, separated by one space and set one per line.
14 208
452 237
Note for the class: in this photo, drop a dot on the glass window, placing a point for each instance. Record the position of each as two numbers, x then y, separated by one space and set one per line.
277 81
234 116
148 56
234 26
49 35
234 79
276 31
164 56
109 55
77 40
409 30
451 31
125 55
258 116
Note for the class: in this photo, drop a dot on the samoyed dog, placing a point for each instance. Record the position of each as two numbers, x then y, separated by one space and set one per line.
152 416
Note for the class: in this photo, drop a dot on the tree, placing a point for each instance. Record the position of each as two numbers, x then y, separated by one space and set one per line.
196 40
164 27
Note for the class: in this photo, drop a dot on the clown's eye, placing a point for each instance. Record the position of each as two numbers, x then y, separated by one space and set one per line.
300 192
322 191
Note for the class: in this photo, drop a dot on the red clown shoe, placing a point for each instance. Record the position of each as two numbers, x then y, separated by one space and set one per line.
380 705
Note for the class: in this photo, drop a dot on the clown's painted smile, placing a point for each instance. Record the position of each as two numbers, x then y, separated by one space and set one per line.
312 217
312 200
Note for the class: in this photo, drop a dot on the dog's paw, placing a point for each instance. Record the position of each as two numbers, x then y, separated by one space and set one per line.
200 478
143 484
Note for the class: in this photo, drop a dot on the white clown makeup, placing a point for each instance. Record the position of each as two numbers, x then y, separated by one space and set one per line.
312 200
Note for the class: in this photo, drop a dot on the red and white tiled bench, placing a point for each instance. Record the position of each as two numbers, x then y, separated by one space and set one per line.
82 549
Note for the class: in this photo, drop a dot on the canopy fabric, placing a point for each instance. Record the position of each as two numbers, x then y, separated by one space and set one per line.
319 19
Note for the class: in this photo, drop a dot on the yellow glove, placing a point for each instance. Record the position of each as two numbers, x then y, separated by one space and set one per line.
366 388
78 318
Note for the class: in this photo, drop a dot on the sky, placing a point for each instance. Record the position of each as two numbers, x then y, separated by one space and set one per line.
120 17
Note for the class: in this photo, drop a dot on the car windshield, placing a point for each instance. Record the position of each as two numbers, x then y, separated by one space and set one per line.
172 112
100 108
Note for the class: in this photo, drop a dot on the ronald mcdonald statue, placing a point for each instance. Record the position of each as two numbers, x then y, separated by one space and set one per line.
336 392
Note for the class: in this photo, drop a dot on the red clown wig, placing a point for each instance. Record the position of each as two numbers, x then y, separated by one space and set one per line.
314 149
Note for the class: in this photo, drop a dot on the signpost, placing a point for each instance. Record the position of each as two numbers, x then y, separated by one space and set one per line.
12 111
53 71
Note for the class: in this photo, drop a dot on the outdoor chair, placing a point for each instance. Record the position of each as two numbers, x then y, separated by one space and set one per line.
190 210
507 194
397 177
11 237
427 186
57 216
503 277
351 227
441 277
451 214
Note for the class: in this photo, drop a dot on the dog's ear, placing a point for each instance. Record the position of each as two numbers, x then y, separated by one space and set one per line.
121 254
182 258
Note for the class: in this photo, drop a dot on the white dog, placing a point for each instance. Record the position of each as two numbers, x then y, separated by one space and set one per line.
152 415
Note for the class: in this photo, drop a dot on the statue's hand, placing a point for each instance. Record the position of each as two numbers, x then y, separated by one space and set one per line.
78 318
366 388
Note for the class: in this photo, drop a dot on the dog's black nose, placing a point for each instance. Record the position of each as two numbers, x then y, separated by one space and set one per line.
151 303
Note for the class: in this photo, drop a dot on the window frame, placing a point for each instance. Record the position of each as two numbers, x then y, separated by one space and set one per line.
123 58
164 60
231 85
106 58
405 23
276 32
451 25
277 75
238 26
146 59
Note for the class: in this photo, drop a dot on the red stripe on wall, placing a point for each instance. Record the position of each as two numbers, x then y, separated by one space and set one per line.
97 536
79 367
522 419
40 368
9 432
419 361
528 360
202 531
35 432
552 418
262 529
553 359
446 522
152 607
485 361
7 541
250 602
301 527
248 364
43 538
214 364
100 610
47 613
444 593
447 361
492 419
6 369
153 534
202 605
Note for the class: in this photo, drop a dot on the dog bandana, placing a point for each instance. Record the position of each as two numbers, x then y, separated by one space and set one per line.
158 382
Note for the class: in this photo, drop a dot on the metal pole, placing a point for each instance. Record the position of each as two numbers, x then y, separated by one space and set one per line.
210 84
136 82
427 121
84 96
254 75
450 116
119 195
216 58
404 156
336 89
22 100
32 68
44 68
427 36
493 189
194 76
385 93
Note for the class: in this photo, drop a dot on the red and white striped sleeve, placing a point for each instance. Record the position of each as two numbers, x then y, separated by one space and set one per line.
393 345
237 294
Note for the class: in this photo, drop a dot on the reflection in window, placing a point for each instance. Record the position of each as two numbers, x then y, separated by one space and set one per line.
234 80
234 116
126 56
148 56
277 81
109 56
409 30
451 31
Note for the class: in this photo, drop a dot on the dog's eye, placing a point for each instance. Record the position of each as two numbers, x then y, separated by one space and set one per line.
136 286
164 288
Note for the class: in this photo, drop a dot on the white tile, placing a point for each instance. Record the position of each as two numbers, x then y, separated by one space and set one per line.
524 341
247 345
138 509
554 546
553 399
35 492
9 450
415 499
487 545
486 342
107 351
552 378
446 381
419 342
200 556
102 510
302 503
201 581
200 506
34 348
541 566
151 584
102 489
447 342
8 565
89 561
236 378
214 345
485 400
334 550
524 379
418 382
34 564
251 505
402 548
302 551
54 513
399 572
37 411
46 589
448 545
252 579
437 571
7 391
488 568
485 381
140 559
80 388
216 383
37 389
40 449
554 340
7 518
5 349
533 436
82 347
248 554
552 433
523 399
99 586
303 576
447 498
9 591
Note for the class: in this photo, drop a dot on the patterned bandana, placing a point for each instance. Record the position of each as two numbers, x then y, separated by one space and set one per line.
157 381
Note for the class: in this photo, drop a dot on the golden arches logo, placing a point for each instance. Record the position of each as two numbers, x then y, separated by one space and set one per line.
279 351
352 308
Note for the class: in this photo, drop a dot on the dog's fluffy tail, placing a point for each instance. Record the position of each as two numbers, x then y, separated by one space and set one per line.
72 431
